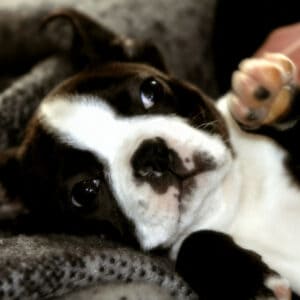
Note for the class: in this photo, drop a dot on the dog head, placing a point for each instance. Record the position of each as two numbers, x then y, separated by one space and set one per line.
124 142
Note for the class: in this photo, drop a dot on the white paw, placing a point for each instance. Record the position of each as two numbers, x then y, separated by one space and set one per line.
262 89
280 288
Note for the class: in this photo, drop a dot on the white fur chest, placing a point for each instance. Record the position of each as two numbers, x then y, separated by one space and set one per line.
267 219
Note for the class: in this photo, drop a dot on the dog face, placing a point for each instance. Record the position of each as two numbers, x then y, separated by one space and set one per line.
152 146
126 143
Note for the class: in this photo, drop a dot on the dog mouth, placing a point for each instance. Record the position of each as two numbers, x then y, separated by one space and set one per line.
163 176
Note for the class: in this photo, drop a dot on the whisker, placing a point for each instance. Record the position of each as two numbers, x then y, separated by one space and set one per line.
207 124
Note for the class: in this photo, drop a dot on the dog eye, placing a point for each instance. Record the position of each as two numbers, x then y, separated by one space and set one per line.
84 194
151 92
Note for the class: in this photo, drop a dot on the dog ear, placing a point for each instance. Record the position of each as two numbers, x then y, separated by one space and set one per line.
93 43
10 184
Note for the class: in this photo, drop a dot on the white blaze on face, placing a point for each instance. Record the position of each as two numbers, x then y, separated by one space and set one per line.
88 123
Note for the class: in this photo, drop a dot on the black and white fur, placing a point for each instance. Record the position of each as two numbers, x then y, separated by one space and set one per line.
173 170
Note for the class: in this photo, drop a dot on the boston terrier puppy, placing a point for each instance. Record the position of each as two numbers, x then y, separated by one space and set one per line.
217 184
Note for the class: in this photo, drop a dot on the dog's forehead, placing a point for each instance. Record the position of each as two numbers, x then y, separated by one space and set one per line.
85 113
97 98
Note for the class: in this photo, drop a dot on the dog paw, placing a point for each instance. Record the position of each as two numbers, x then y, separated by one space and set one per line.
276 288
262 90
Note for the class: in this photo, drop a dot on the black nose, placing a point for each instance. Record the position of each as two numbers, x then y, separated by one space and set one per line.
152 158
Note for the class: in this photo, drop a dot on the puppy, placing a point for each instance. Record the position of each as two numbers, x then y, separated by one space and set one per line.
216 184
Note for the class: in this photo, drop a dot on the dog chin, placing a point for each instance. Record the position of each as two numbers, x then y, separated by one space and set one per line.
202 204
199 204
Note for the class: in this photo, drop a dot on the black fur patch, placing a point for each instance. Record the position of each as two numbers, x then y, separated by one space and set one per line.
43 175
217 268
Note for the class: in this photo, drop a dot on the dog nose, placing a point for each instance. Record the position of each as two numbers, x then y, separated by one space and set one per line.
152 158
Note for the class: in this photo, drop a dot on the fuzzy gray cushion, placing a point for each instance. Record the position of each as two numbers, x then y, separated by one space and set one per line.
31 64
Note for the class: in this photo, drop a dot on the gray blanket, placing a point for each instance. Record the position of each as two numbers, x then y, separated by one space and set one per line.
32 62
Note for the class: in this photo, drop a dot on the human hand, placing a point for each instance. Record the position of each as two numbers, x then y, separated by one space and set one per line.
285 40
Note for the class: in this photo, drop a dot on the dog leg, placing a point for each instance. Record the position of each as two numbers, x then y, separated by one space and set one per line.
263 90
217 268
